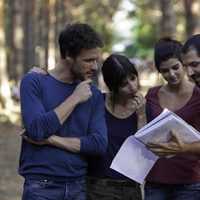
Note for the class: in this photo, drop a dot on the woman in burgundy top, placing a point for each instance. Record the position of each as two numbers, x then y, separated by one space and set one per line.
178 177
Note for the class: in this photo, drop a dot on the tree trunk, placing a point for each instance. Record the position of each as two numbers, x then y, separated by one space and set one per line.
17 41
61 12
5 97
52 46
191 14
46 33
168 22
29 34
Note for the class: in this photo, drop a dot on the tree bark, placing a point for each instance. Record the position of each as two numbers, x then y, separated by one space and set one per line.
168 22
5 97
29 34
191 14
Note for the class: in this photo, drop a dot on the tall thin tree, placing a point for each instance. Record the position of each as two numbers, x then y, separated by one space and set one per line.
5 96
168 15
191 13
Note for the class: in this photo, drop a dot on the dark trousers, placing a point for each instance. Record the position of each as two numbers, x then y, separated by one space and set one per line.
111 189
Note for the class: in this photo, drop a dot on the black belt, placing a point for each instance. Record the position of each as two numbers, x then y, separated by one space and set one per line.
111 182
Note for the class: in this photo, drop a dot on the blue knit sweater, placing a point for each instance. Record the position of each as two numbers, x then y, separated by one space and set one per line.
40 95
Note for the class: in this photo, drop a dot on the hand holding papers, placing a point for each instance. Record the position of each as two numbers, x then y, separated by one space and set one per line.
170 148
134 160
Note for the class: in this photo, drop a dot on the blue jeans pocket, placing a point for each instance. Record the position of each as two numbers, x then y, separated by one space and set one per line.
81 184
38 190
37 183
50 190
76 190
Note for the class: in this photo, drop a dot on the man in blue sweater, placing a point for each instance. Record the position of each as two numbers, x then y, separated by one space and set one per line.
63 103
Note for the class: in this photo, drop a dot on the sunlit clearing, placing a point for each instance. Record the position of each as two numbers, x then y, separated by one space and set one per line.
5 90
51 63
118 48
148 79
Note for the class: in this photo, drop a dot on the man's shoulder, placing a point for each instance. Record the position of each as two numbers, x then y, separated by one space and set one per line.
33 80
95 89
97 93
33 77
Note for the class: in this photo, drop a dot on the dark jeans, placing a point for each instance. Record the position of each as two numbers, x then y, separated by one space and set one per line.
111 189
50 190
158 191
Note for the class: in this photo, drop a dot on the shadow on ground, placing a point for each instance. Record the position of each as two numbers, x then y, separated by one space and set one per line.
10 181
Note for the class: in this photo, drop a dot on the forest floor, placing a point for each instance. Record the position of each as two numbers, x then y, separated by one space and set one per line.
10 182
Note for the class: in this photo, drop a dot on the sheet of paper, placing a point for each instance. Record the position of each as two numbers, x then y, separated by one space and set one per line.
164 114
134 160
159 129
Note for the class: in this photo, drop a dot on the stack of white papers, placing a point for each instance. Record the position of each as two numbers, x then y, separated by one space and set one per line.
134 160
159 129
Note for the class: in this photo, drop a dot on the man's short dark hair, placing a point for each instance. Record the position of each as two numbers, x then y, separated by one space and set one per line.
77 37
192 43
